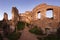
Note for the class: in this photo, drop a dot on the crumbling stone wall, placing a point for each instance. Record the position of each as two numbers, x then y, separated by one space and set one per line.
45 22
43 8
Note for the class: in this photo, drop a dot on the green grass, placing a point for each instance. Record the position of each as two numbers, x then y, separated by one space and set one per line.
36 31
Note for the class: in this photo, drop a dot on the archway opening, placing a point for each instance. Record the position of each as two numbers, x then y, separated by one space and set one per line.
49 13
38 15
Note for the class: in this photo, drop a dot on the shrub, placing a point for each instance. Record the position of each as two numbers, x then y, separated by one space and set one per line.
20 25
36 31
27 24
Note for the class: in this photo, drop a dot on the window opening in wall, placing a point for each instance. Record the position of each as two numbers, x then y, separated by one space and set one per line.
49 14
39 15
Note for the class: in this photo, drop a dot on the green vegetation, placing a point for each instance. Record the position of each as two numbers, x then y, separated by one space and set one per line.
36 31
27 24
14 36
20 25
55 36
11 36
50 37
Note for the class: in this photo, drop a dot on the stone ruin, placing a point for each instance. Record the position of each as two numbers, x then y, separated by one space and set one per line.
43 22
31 17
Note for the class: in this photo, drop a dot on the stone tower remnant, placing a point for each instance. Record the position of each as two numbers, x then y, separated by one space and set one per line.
5 16
15 15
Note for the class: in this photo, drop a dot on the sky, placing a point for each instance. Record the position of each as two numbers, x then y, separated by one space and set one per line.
22 5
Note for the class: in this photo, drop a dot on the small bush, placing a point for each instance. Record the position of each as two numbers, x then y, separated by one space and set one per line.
27 24
36 31
20 25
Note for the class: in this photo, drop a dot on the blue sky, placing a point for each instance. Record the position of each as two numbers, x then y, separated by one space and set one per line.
22 5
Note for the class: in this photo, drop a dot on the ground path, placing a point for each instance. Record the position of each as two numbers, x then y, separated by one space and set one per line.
26 35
